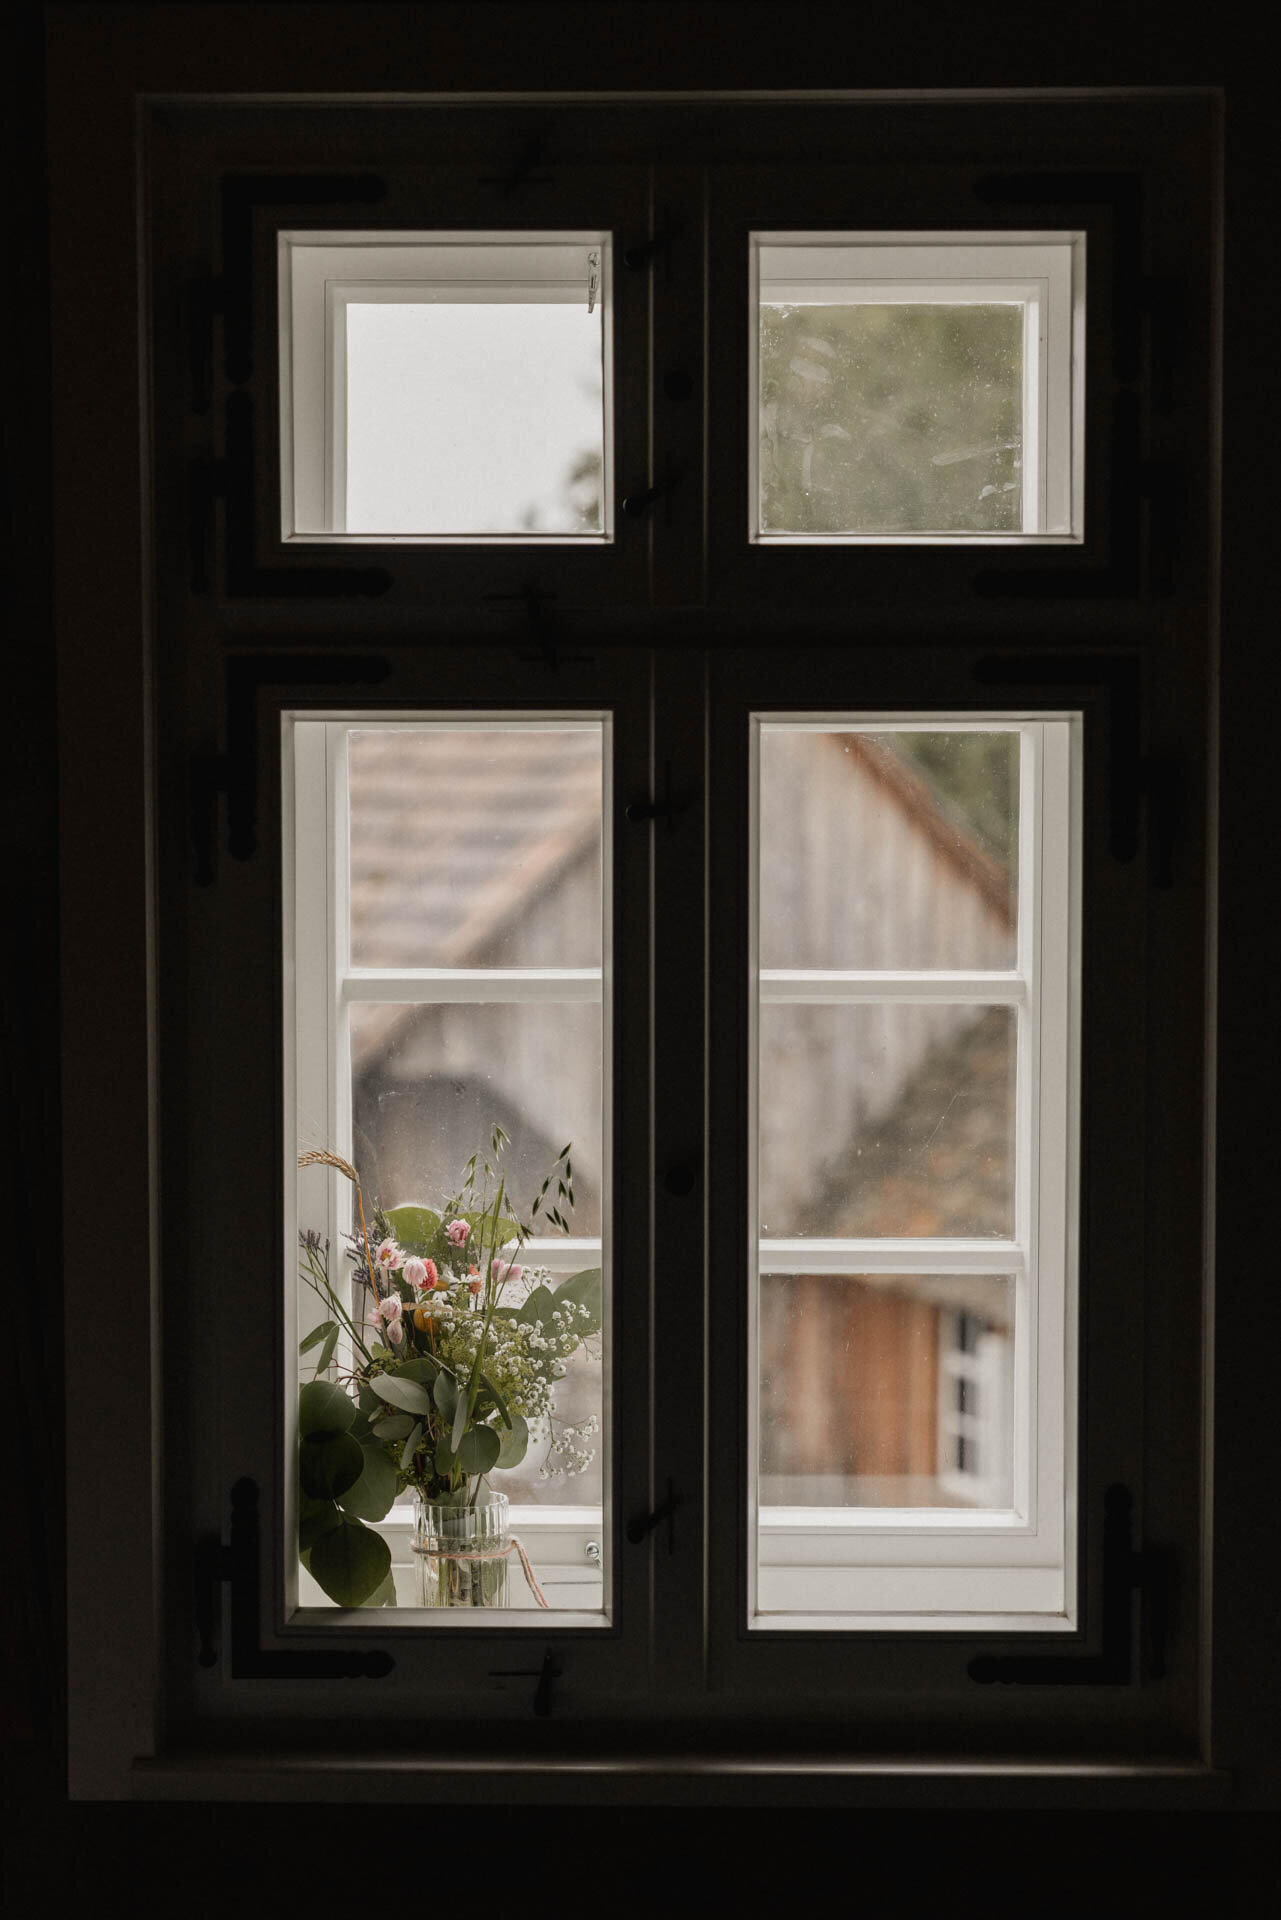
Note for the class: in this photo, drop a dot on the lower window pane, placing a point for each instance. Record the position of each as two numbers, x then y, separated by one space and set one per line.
886 1390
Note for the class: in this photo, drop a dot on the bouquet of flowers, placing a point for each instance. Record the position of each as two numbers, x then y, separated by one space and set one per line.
455 1352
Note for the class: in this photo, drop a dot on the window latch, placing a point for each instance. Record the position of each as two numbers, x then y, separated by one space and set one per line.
665 809
640 1528
549 1671
593 277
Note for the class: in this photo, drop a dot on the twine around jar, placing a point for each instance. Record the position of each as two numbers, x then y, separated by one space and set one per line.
497 1553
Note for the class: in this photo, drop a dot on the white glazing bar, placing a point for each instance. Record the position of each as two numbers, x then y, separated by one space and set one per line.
428 986
891 1256
820 986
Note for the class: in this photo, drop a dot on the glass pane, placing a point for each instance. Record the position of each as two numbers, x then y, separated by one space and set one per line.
429 1083
886 1390
475 847
480 418
893 1120
891 418
888 849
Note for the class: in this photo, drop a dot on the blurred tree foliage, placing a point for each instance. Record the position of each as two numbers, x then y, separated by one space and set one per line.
975 781
891 419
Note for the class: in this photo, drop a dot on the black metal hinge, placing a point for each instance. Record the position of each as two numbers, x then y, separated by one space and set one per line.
1125 1569
237 1565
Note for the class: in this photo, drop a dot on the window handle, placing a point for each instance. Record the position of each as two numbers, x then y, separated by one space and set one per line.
665 809
636 505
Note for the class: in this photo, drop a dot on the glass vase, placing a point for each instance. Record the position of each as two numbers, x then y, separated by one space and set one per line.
461 1552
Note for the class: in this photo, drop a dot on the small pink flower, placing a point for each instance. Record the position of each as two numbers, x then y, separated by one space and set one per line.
388 1310
389 1256
456 1233
474 1286
419 1273
395 1333
502 1272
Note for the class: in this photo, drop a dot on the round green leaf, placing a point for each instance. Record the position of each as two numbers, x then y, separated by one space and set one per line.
512 1445
414 1228
372 1495
423 1368
537 1307
350 1564
394 1427
399 1392
584 1290
329 1463
323 1520
323 1407
478 1450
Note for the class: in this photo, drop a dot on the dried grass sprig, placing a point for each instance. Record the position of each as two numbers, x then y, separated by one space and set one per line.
319 1158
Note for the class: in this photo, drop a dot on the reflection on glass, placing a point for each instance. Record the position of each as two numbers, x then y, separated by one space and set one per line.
474 418
891 418
475 847
886 1390
884 849
430 1082
892 1120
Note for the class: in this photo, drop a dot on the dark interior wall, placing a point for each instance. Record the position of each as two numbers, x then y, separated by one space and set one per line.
632 46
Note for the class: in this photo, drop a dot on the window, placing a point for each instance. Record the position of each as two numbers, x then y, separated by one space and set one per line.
918 386
916 923
445 386
780 1563
447 894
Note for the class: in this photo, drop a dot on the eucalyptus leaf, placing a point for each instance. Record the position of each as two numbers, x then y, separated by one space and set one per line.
512 1446
410 1447
405 1394
385 1595
350 1564
423 1367
323 1521
443 1460
584 1290
394 1427
327 1351
323 1407
372 1495
414 1228
367 1398
537 1307
478 1450
316 1335
329 1463
445 1394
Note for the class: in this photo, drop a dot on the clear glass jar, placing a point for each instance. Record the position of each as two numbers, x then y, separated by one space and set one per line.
461 1553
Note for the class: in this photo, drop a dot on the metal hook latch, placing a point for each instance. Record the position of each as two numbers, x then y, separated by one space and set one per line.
593 277
643 1525
549 1671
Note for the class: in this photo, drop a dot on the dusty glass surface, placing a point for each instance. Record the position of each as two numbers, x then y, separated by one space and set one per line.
888 850
893 1120
891 418
886 1390
429 1083
475 847
480 418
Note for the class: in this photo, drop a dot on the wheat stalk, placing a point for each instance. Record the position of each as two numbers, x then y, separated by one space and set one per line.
319 1158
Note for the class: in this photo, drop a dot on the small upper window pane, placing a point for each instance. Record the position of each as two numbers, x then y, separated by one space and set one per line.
445 387
914 387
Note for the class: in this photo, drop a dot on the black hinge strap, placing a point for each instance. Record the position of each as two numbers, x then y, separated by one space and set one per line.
237 1565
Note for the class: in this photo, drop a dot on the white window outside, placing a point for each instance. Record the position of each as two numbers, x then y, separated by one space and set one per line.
445 387
917 387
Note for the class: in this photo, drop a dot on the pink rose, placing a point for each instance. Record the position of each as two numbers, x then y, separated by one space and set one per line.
389 1256
456 1233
